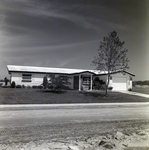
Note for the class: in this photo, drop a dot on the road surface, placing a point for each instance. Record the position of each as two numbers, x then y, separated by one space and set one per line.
52 121
28 116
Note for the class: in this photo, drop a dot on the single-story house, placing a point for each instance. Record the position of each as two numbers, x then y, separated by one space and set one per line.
80 79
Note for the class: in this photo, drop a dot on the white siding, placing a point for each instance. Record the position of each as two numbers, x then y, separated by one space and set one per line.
71 82
119 82
37 79
103 77
16 77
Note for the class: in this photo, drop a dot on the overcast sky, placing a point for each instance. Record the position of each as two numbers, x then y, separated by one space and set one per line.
67 33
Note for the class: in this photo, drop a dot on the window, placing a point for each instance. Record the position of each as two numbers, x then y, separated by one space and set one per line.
86 80
26 78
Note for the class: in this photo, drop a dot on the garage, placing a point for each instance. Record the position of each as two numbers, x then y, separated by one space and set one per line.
119 83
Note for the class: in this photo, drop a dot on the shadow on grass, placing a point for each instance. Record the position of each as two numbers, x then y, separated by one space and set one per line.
53 91
94 94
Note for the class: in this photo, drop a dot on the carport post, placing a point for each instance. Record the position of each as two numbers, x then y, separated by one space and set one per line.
79 82
91 82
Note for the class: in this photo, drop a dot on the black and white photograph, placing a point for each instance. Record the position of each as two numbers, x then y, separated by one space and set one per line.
74 74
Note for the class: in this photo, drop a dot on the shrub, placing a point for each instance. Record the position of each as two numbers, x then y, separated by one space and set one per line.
130 89
28 86
23 86
98 84
13 84
110 88
34 86
5 86
18 86
39 86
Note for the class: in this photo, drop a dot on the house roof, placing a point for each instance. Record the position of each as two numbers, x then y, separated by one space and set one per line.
13 68
33 69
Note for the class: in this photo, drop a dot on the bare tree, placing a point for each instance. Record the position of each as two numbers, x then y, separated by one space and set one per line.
111 55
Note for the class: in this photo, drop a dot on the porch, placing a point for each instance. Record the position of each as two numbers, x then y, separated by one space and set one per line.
88 81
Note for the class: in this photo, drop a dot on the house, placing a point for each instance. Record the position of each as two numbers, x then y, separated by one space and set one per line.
80 79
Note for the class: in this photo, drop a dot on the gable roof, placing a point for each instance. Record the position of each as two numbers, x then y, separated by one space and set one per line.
33 69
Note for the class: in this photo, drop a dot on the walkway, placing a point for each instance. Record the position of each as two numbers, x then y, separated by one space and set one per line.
135 93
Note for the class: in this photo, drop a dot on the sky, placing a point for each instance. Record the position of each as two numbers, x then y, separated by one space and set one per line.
67 33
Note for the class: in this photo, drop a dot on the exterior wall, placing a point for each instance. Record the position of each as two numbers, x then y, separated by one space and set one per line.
103 77
120 82
71 82
16 77
37 79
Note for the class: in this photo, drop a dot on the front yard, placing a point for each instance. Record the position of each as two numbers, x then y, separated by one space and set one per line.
144 90
37 96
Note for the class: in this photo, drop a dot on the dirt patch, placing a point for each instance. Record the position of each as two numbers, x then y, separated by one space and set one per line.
118 141
86 136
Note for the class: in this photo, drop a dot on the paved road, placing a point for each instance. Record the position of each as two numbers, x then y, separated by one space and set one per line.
51 114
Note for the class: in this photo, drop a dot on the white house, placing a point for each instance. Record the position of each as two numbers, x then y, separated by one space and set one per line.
80 79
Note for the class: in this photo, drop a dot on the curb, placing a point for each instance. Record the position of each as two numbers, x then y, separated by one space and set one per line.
74 105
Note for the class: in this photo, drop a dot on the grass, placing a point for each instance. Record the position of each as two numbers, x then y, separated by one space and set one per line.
37 96
141 90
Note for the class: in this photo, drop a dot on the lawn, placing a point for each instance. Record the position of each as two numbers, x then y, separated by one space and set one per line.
144 90
37 96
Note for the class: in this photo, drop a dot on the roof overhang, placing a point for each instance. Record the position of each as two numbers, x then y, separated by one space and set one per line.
64 71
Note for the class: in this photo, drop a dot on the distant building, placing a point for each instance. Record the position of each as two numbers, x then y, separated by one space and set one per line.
80 79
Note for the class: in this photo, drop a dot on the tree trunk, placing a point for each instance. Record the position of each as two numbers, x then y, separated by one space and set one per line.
106 92
45 82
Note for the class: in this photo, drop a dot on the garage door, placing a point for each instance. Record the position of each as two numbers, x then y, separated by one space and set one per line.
119 83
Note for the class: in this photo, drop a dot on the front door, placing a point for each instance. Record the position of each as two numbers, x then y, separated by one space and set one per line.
76 82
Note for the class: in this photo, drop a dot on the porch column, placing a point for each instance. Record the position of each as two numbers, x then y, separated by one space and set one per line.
79 82
91 82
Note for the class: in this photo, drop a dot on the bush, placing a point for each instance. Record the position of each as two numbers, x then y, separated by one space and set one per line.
34 86
13 84
5 86
18 86
39 86
23 86
110 88
28 86
130 89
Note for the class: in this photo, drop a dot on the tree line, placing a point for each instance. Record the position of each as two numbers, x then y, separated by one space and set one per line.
141 83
